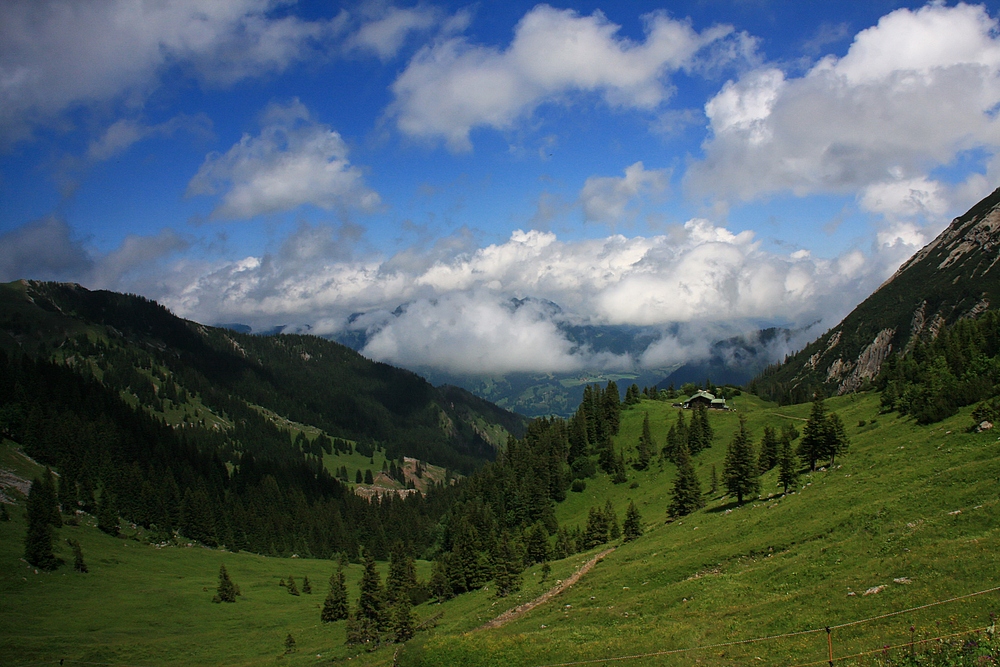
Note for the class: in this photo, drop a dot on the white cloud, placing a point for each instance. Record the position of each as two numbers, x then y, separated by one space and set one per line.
293 161
384 36
911 94
606 199
123 133
452 86
457 298
57 54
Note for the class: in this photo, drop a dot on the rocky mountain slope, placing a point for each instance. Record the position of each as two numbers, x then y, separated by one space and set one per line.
953 277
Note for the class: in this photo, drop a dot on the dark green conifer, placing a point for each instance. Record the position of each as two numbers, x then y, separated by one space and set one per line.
686 496
714 481
768 449
368 476
402 576
306 586
404 623
632 528
788 471
289 643
38 541
813 446
358 477
78 563
292 587
4 515
371 601
614 530
506 567
335 605
596 532
741 474
438 584
644 451
564 545
226 592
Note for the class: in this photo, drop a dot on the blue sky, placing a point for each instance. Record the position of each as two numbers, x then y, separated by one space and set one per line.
701 168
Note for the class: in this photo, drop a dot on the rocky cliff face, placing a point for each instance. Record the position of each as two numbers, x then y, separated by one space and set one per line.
956 275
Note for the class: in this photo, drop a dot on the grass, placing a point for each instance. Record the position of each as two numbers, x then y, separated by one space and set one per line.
912 509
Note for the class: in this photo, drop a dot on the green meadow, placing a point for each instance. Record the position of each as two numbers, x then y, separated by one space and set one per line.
911 512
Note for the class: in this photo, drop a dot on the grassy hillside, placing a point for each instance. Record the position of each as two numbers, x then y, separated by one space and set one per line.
915 504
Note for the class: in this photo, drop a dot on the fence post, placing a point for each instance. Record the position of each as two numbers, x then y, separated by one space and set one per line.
829 643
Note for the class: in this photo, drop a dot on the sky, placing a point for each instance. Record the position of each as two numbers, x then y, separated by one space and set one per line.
462 181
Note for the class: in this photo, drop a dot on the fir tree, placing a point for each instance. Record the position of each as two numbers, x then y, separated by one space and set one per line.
714 481
632 528
358 477
306 586
741 475
537 544
814 436
686 496
368 476
403 621
645 449
289 643
371 601
788 471
38 541
614 530
676 436
564 545
78 563
402 577
768 449
292 588
506 567
597 529
438 584
226 592
836 437
335 605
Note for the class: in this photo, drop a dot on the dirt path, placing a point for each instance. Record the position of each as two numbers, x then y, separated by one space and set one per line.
801 419
523 609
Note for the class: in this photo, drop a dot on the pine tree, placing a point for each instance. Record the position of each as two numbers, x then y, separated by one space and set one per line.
597 529
78 563
564 545
686 496
402 577
814 436
335 605
768 449
292 588
438 583
371 601
289 643
741 475
614 530
506 567
38 541
836 437
645 449
226 592
632 528
403 621
368 476
676 436
358 477
788 471
537 543
306 586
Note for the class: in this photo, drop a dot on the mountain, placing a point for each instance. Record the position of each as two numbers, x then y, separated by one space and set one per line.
136 344
954 277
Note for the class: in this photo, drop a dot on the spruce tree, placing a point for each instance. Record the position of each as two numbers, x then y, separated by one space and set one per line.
632 528
537 544
814 436
564 545
38 540
306 586
714 481
506 567
836 437
335 605
289 643
438 584
78 563
292 588
402 576
358 477
788 471
403 621
226 592
371 601
645 449
597 529
686 496
768 449
741 475
614 530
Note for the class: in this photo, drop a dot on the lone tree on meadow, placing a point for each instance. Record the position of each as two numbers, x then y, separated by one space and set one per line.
645 449
686 496
741 475
226 592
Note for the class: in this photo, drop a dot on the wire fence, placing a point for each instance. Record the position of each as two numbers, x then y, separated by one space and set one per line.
839 643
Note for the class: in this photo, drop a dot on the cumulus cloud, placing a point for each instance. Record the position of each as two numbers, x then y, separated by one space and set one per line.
457 299
57 54
453 86
911 94
293 161
385 34
606 199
